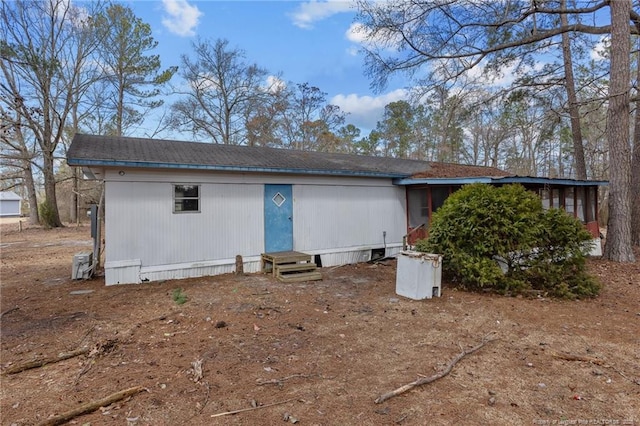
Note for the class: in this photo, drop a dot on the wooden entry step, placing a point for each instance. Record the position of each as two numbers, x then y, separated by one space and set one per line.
290 266
300 276
287 268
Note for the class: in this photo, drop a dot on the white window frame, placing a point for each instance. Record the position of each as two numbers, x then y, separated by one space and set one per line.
183 198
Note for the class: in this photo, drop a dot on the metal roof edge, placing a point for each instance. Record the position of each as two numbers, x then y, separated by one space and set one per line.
441 181
560 181
503 179
142 164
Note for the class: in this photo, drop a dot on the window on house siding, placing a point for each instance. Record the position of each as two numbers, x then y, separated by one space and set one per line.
186 198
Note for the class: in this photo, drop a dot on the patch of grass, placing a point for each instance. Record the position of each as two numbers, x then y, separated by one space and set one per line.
178 296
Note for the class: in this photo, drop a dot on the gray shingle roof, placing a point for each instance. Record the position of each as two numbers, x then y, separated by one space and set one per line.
91 150
9 195
113 151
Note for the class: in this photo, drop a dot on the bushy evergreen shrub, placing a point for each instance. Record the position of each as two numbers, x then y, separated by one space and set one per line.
500 239
46 213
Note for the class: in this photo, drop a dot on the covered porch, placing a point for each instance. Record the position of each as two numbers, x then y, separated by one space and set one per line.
425 195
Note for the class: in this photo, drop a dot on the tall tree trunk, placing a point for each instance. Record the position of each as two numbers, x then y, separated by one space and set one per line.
618 246
635 167
560 163
34 218
50 190
574 111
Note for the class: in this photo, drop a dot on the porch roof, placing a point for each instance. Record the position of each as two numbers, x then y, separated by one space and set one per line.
524 180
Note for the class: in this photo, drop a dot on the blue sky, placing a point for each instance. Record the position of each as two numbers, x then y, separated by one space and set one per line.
306 41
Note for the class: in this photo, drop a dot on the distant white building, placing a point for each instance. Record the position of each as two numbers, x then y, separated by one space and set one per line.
10 204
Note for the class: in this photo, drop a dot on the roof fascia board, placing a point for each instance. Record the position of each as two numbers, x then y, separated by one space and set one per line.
550 181
507 179
141 164
441 181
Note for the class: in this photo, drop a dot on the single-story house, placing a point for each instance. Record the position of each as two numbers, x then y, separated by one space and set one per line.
182 209
10 204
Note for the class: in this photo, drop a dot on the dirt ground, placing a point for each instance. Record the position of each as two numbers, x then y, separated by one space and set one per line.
315 353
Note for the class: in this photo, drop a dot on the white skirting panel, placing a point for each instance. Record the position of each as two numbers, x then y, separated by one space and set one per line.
393 250
344 258
131 272
595 249
122 272
351 255
194 270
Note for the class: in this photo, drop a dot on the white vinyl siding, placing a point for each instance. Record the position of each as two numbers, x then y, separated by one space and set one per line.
340 219
9 204
140 223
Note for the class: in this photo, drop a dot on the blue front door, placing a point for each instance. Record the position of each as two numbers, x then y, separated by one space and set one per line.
278 218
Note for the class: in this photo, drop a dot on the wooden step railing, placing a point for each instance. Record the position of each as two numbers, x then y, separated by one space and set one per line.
405 238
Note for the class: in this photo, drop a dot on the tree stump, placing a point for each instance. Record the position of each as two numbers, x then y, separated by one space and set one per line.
239 265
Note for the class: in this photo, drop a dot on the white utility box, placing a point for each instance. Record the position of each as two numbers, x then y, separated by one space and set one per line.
419 275
81 268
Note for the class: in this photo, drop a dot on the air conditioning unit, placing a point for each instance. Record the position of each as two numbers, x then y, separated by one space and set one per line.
81 269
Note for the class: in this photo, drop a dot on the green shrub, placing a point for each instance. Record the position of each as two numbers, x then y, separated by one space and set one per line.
500 239
179 297
47 214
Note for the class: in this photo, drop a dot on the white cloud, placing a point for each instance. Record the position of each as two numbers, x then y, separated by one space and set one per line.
275 84
353 51
502 77
599 52
357 33
181 18
312 11
366 111
361 34
65 9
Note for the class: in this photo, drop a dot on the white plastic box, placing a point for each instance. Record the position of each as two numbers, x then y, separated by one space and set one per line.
419 275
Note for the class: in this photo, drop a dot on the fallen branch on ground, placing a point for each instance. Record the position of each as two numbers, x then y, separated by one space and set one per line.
206 398
573 357
227 413
15 308
425 380
279 381
42 362
99 349
591 360
91 406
